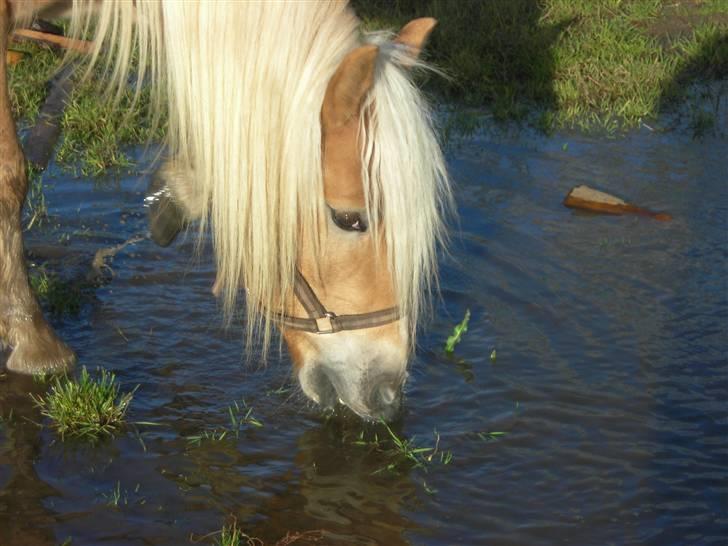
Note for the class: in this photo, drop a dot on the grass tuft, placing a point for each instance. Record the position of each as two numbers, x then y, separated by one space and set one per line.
88 408
58 296
232 535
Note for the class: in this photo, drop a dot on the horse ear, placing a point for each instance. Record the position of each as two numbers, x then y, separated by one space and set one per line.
348 86
415 33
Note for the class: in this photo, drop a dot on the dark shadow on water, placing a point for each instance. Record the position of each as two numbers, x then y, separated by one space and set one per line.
505 60
342 490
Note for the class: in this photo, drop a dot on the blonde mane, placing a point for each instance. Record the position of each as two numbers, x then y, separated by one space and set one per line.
243 85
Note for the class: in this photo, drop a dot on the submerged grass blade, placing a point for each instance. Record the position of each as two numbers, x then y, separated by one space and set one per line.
457 333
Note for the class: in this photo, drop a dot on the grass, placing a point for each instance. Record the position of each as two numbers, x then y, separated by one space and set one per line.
491 436
95 130
232 535
404 454
28 81
121 497
576 63
457 333
604 64
241 418
88 408
60 297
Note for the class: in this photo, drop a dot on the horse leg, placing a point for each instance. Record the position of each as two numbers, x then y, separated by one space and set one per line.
35 348
173 201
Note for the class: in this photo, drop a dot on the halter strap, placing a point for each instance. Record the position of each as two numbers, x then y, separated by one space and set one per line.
322 321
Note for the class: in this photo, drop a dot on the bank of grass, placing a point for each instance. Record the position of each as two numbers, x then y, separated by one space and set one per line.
88 408
95 130
584 63
555 63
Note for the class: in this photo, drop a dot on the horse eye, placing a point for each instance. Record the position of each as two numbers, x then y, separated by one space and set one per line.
348 220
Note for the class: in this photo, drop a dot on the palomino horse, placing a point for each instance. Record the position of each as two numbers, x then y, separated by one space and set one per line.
303 147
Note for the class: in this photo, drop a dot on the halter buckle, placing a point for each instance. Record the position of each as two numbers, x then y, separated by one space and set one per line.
324 324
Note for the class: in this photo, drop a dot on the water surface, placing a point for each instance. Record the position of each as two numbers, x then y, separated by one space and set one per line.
609 379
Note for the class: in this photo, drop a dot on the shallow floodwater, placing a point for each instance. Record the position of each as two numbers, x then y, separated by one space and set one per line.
609 378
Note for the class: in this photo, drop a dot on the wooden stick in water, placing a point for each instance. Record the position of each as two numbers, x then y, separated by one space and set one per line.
586 198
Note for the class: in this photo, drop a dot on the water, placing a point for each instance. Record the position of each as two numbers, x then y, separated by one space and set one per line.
609 378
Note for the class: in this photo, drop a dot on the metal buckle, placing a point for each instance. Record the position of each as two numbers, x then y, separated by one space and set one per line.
324 325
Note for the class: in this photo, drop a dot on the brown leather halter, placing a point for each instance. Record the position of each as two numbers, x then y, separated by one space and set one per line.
322 321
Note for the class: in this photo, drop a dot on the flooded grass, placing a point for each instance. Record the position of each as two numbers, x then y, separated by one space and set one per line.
60 297
89 408
457 333
403 454
232 535
241 418
122 497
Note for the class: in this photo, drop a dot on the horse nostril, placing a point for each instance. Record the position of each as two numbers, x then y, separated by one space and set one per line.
387 394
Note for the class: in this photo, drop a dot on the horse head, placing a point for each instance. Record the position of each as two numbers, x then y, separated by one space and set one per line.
360 268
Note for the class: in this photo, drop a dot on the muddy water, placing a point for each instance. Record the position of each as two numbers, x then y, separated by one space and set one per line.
609 377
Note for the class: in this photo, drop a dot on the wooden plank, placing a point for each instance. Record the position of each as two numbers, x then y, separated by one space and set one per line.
81 46
586 198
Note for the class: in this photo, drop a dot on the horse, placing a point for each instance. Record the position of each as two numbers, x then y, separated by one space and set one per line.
307 151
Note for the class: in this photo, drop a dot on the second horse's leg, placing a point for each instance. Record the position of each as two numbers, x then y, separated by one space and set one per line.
35 348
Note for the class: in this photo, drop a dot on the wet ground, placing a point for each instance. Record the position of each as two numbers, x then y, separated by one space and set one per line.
609 378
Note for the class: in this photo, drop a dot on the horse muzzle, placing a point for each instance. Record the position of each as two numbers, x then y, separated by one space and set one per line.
372 390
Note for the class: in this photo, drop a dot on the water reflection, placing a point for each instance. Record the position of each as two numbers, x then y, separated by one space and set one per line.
341 488
24 518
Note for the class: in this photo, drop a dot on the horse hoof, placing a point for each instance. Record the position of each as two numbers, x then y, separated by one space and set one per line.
166 218
37 350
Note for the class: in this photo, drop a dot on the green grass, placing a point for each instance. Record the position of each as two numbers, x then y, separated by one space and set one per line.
95 130
89 408
241 418
457 333
583 63
60 297
28 80
603 64
232 535
403 454
122 497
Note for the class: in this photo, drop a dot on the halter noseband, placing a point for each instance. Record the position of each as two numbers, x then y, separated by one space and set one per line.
322 321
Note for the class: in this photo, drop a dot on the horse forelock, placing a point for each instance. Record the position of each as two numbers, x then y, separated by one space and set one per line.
243 84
